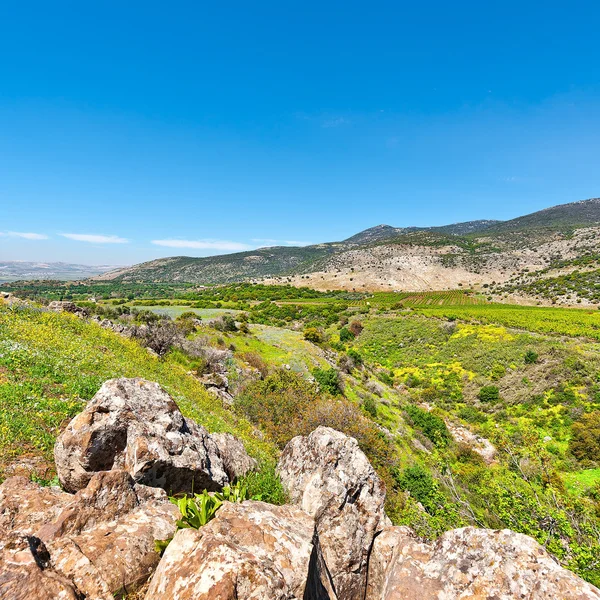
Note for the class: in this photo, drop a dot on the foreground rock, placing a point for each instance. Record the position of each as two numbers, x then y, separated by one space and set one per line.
24 572
250 551
133 424
331 479
469 563
94 544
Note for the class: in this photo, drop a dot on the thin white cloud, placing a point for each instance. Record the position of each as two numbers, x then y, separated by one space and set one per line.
25 235
203 244
95 239
272 242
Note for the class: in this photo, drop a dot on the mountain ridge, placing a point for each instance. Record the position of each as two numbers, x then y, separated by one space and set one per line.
408 258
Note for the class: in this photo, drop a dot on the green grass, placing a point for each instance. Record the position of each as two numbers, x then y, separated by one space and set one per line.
51 363
581 481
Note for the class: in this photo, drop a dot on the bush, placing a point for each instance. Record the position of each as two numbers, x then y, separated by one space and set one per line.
531 357
254 359
585 437
471 415
420 484
159 337
370 406
312 334
489 393
432 426
346 335
225 323
328 380
355 328
355 356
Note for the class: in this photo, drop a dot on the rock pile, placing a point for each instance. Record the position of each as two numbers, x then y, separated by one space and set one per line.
333 542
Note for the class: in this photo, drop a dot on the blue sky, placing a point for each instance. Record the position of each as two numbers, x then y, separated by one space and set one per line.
132 130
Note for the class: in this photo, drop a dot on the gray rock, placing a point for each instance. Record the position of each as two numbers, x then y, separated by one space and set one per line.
469 563
133 424
235 458
331 479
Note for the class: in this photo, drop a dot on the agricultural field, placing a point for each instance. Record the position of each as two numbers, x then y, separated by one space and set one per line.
571 322
389 300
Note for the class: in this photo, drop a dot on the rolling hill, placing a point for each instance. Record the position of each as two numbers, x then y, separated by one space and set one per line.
475 254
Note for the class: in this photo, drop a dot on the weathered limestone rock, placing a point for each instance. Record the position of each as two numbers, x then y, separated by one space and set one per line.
235 458
103 540
330 478
468 563
95 543
24 572
26 506
250 551
477 443
133 424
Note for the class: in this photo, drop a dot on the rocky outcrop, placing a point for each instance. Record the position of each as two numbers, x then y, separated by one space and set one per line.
133 424
330 478
476 443
93 544
236 461
468 563
66 306
250 551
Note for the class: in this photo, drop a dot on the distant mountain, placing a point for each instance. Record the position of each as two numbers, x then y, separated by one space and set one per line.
470 254
575 215
22 270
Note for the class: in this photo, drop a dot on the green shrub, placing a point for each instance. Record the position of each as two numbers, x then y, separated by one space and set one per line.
312 334
346 335
370 406
420 484
471 415
531 357
489 393
585 437
328 380
432 426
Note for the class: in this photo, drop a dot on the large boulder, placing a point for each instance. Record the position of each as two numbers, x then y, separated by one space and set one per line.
468 563
250 551
93 544
236 461
331 479
133 424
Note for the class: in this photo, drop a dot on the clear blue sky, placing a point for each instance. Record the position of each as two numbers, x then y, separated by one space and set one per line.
226 125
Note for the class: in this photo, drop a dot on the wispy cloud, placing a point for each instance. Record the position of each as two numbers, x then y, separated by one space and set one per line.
24 235
203 244
95 239
272 242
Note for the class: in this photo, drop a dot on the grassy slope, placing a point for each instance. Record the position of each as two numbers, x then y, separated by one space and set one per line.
50 363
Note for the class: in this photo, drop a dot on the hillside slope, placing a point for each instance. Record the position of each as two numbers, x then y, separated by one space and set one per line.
473 254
